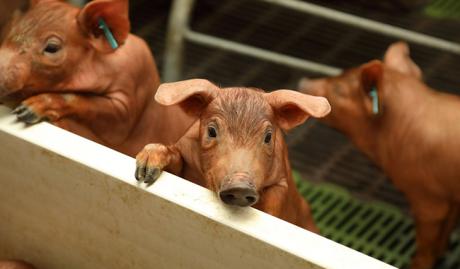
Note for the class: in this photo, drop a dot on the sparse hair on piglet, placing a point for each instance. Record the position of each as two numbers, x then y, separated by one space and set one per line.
237 147
81 69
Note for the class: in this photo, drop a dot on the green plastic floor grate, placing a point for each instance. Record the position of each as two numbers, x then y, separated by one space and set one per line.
374 228
444 9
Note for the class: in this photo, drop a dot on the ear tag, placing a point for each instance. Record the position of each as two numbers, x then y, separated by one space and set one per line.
108 34
375 100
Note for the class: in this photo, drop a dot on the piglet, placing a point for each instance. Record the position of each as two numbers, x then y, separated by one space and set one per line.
81 70
13 264
411 131
8 7
237 147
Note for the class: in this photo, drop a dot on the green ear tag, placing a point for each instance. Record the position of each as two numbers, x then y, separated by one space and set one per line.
375 100
108 34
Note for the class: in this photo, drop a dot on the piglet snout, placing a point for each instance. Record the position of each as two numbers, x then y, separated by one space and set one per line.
239 193
12 73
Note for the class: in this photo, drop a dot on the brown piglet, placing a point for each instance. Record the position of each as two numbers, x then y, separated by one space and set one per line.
82 70
8 7
411 131
237 147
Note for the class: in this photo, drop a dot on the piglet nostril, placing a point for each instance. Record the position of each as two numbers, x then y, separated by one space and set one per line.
251 199
227 198
240 196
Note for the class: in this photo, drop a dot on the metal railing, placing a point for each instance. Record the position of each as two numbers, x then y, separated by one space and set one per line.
179 32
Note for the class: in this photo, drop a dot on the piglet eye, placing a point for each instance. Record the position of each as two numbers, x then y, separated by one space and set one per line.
268 138
52 48
212 132
53 45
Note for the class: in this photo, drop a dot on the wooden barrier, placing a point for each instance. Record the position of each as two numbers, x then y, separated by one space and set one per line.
66 202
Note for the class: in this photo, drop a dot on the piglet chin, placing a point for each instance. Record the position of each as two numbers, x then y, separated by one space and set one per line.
8 92
10 88
12 100
3 92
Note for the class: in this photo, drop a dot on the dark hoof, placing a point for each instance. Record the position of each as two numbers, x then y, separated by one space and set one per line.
25 114
146 174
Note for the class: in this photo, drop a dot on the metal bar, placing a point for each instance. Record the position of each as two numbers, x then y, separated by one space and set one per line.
369 25
258 19
178 31
247 76
78 3
177 25
278 58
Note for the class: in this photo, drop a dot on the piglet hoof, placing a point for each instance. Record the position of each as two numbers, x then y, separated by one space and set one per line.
26 114
146 174
150 163
44 107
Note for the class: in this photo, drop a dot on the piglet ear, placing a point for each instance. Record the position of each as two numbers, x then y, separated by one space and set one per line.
397 57
192 95
293 108
115 15
371 74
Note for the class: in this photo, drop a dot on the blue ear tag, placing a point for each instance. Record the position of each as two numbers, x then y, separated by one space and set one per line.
108 34
375 100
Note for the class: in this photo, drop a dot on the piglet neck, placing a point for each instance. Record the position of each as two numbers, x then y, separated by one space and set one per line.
91 75
403 107
366 138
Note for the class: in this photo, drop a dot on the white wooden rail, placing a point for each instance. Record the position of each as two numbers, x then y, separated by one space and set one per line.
66 202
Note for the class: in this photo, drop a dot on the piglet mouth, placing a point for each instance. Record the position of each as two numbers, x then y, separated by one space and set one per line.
4 91
10 89
13 74
239 191
11 98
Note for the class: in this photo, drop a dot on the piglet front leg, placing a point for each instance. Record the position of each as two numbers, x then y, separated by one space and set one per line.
106 119
47 106
279 201
155 158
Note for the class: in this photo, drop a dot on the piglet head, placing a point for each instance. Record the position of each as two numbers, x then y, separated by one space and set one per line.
355 96
241 144
49 43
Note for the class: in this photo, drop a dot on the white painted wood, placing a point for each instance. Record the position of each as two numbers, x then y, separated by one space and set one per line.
66 202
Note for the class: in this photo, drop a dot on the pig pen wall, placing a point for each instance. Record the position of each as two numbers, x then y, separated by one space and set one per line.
360 207
67 202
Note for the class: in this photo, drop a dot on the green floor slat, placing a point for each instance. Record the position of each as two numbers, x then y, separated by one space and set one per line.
444 9
374 228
